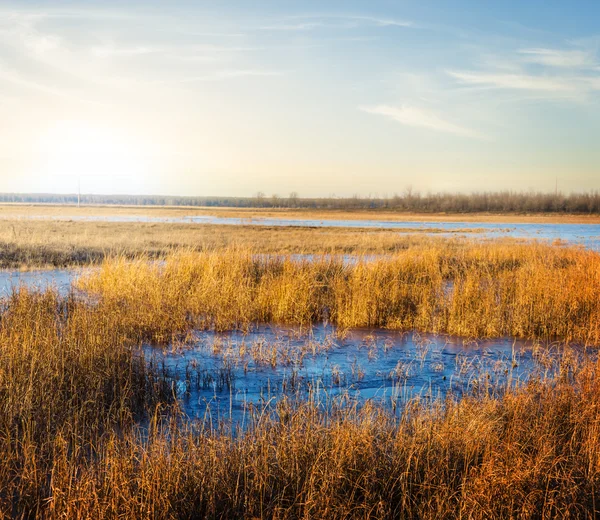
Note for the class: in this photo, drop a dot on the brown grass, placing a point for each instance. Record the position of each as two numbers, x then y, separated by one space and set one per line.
68 376
532 454
71 384
27 244
476 290
89 429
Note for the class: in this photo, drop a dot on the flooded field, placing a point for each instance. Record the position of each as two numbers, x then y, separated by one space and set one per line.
230 376
129 380
587 235
61 279
225 376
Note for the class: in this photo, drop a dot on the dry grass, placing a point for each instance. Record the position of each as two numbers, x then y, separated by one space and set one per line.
12 211
476 290
26 244
68 377
532 454
71 386
88 427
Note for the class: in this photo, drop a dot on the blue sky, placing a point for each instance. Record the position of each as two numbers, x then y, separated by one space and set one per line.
320 98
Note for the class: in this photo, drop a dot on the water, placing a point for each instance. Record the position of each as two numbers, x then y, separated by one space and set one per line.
587 235
227 376
232 376
60 279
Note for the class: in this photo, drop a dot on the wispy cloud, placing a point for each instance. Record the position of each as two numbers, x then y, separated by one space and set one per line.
237 73
558 58
112 51
382 22
224 75
515 81
303 26
418 117
317 21
15 78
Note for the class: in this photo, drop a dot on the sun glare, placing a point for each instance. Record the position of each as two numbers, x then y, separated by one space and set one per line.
72 148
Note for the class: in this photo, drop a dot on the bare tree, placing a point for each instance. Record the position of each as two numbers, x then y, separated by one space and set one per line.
293 199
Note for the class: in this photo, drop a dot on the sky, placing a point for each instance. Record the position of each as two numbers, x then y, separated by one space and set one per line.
320 98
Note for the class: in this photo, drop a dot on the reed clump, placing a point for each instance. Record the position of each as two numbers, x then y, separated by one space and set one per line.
68 376
476 290
532 453
88 427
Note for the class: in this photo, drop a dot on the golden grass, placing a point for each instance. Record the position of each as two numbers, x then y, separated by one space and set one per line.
531 454
89 429
476 290
68 376
71 385
28 244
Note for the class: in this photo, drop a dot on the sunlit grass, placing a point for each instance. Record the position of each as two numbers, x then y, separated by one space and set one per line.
91 429
476 290
70 447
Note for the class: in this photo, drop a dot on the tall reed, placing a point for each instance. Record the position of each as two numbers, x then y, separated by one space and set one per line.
69 375
477 290
75 442
531 454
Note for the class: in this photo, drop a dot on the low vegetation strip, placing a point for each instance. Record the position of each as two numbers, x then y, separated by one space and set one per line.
50 243
476 290
74 389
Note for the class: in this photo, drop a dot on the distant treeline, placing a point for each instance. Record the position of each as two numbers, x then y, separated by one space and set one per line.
409 201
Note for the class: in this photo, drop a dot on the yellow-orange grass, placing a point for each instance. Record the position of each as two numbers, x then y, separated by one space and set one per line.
71 383
477 290
532 454
68 374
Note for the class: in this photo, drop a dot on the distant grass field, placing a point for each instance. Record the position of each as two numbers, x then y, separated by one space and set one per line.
26 244
10 211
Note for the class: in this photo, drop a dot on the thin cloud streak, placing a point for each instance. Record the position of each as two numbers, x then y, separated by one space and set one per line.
317 21
221 75
383 22
557 58
520 81
113 51
417 117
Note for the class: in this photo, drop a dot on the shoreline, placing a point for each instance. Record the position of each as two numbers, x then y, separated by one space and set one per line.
10 211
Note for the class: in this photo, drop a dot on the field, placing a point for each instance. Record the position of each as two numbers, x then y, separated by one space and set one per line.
27 244
16 211
92 424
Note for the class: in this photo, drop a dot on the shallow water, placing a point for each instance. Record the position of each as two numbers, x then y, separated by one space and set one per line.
228 376
587 235
233 376
60 279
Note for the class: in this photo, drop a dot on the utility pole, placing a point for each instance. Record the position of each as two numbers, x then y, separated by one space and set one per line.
79 191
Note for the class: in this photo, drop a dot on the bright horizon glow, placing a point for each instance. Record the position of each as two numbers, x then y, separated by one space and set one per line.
319 98
76 150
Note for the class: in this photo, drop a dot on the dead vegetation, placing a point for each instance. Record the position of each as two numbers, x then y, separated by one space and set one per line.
477 290
72 386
